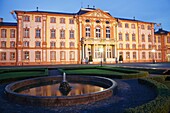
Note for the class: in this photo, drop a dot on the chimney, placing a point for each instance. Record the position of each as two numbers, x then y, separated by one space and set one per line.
1 19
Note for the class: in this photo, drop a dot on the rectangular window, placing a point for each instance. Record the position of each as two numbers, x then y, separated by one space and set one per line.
62 33
52 20
159 55
52 44
133 26
12 44
168 39
126 25
26 32
155 39
26 18
127 36
12 33
26 44
38 33
134 55
62 55
149 27
37 19
12 55
143 38
37 44
72 55
71 34
71 44
3 33
53 55
71 21
109 53
107 32
143 55
97 32
3 55
38 55
142 27
26 55
120 37
119 24
149 38
159 39
3 44
150 55
127 55
53 33
87 31
133 37
62 20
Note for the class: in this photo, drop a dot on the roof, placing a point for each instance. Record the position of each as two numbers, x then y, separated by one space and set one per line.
50 12
131 20
86 10
161 32
8 24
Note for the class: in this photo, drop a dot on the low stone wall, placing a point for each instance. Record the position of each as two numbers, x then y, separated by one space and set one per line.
109 84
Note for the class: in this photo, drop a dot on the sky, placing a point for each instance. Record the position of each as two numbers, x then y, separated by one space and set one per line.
157 11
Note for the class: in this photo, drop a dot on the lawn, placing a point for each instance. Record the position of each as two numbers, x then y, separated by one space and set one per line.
6 74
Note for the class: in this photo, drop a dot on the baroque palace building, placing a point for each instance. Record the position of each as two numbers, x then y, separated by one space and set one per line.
45 38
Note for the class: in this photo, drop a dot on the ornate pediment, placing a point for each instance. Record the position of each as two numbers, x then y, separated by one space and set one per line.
98 13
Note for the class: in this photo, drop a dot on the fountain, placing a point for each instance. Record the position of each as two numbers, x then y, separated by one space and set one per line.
50 91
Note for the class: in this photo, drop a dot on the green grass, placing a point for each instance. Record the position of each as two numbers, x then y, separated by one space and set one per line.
7 74
105 71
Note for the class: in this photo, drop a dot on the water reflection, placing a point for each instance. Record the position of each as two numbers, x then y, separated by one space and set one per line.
53 90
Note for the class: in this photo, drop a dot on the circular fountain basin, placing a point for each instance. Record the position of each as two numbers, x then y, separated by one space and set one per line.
44 91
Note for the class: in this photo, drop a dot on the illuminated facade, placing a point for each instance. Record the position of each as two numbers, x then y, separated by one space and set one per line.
45 38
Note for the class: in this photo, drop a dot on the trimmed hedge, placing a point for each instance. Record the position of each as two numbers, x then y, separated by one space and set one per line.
161 104
117 72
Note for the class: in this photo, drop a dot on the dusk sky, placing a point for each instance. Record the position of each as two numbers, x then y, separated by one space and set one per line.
157 11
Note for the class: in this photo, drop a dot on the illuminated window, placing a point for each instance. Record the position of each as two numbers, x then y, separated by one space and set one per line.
71 33
37 19
107 32
98 32
62 33
37 55
12 33
26 32
53 33
88 31
3 33
52 20
52 55
26 55
12 55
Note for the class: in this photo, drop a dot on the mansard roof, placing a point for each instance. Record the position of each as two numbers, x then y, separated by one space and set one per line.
8 24
161 32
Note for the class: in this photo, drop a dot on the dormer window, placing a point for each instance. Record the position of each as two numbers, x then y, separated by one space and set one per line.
107 22
97 21
87 20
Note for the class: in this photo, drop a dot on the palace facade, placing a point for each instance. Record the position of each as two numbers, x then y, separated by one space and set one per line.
90 35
